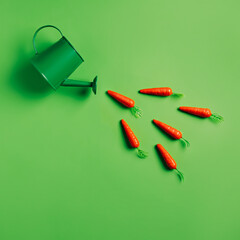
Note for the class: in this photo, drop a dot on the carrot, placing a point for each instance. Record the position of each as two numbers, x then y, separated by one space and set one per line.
133 139
170 162
127 102
162 91
174 133
201 112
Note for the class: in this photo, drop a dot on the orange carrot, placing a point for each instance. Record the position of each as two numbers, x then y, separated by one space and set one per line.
133 139
174 133
201 112
162 91
127 102
170 162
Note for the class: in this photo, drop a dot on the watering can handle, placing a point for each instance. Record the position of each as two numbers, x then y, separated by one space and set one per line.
35 35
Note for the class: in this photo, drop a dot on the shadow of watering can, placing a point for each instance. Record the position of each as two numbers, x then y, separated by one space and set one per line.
58 62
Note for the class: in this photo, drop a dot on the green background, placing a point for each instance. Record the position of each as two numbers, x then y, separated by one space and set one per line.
66 171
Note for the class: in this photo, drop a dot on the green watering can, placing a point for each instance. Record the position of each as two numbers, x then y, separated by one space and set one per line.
58 62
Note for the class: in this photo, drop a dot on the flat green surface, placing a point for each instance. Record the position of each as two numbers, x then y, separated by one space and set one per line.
65 170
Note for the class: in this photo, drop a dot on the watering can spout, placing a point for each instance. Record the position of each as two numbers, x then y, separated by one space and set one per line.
78 83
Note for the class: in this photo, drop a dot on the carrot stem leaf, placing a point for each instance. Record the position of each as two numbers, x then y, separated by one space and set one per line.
180 174
141 153
187 143
216 117
177 95
136 111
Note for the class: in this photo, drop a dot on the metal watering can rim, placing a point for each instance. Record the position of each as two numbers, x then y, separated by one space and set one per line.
46 26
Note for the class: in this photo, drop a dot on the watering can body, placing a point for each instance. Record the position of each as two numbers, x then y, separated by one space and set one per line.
58 62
